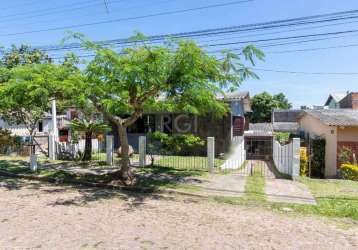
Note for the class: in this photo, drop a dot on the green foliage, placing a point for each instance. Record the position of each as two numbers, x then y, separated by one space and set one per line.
318 157
264 103
347 156
183 75
177 144
349 172
282 137
23 55
6 140
27 94
304 171
86 126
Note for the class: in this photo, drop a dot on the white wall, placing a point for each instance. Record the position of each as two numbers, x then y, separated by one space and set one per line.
237 155
315 127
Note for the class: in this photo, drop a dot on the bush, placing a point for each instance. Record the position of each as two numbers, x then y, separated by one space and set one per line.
283 137
6 140
303 162
347 156
318 149
349 172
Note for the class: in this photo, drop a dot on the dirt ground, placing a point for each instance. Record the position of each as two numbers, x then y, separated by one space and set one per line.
44 216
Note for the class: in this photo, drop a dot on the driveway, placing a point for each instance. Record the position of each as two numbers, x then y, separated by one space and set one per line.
43 216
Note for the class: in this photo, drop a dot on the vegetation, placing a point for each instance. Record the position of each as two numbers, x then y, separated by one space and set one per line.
318 157
122 85
6 140
263 104
304 171
347 156
90 129
23 55
255 186
27 93
283 137
349 172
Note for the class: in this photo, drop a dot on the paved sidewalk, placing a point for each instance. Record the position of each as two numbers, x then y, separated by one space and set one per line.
287 191
232 185
283 190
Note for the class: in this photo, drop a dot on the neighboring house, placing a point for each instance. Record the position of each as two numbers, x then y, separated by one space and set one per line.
223 129
258 141
350 101
338 126
286 120
333 101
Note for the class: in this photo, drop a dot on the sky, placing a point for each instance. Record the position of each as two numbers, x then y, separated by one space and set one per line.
21 16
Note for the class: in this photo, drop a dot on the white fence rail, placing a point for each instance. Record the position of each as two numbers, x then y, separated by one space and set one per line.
287 157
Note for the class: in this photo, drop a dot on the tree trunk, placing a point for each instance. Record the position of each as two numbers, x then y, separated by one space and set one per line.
125 173
88 147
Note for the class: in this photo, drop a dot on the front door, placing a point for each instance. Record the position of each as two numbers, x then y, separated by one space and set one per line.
238 124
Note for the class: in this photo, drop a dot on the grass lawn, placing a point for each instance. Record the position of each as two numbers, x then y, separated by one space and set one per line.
335 198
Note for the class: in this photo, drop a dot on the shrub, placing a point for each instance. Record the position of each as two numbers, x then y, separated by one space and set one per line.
283 137
179 144
303 162
318 147
346 156
349 172
6 140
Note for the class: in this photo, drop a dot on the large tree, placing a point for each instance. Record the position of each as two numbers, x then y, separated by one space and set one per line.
264 103
179 77
26 95
23 55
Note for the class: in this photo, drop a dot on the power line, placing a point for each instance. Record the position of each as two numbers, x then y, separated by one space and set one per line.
165 13
306 73
198 34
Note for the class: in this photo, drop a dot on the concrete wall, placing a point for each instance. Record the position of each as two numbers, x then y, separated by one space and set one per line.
315 127
347 134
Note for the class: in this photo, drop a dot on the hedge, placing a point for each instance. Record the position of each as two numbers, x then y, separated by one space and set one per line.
350 172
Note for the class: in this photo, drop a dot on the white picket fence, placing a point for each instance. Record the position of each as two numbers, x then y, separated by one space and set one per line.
287 157
237 155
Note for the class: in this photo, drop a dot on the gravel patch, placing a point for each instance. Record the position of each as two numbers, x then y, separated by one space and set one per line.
45 216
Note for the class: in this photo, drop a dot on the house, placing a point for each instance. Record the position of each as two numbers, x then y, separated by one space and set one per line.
286 120
333 101
340 129
350 101
223 129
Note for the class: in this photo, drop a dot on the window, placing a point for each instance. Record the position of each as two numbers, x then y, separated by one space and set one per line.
40 126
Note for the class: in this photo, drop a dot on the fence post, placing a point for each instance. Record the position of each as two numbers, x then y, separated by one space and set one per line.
211 153
142 151
51 147
296 158
33 162
109 149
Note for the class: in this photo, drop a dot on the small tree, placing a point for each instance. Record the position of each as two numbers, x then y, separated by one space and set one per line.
264 103
178 77
28 91
90 129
